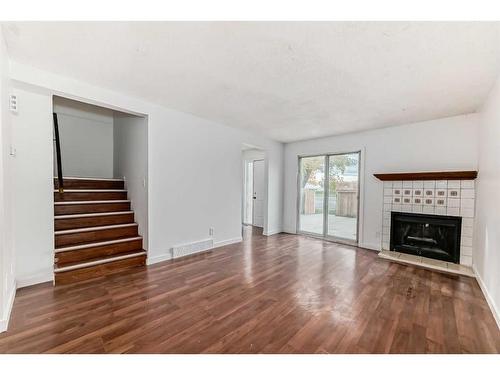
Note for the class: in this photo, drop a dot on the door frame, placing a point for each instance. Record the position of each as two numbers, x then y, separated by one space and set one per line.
325 235
253 191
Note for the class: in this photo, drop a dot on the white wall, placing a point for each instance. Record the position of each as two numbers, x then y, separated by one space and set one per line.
33 186
486 256
7 261
86 134
131 163
445 144
194 170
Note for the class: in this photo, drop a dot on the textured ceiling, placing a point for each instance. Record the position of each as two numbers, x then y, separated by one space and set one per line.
285 80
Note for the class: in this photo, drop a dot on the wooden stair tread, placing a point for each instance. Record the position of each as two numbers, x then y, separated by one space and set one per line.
92 214
97 261
108 201
96 244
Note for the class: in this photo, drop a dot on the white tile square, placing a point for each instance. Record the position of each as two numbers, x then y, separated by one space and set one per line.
440 210
406 208
453 193
417 200
467 184
429 193
397 191
441 184
397 184
387 184
387 192
387 199
441 193
467 193
386 231
418 184
440 202
387 215
417 208
428 201
387 207
466 260
466 241
466 250
429 185
467 231
396 200
453 202
466 203
397 207
467 212
467 222
407 192
453 211
418 192
407 200
386 223
407 184
453 184
428 210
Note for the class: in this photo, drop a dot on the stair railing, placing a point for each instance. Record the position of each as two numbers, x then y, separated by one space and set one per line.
57 141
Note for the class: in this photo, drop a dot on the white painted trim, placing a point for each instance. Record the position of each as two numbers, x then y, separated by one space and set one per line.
90 229
4 322
97 262
272 232
159 258
35 279
92 191
95 244
93 202
227 242
76 216
91 178
491 303
369 246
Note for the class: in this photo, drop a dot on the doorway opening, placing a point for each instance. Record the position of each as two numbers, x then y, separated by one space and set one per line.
254 187
328 196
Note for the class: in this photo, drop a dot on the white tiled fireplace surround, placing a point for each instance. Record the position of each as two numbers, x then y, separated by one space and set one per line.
438 197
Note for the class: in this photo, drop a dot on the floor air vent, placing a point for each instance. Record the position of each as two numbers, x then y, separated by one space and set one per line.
192 248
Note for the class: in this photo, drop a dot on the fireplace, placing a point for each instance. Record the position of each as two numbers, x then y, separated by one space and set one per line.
431 236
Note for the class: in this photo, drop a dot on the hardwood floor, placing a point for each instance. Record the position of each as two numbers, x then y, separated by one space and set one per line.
278 294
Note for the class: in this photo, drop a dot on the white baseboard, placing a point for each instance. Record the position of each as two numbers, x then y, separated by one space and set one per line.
168 256
493 307
4 322
227 242
270 233
33 280
159 258
369 246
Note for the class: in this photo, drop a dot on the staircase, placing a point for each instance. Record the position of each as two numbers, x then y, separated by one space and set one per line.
95 233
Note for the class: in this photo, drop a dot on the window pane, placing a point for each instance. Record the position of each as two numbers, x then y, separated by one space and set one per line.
343 196
311 185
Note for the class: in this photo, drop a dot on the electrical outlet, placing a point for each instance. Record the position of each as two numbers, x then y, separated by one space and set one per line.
12 151
211 231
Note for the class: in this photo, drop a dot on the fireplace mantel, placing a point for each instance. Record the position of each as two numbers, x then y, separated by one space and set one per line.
450 175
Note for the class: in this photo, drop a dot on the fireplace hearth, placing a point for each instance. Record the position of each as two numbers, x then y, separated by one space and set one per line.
431 236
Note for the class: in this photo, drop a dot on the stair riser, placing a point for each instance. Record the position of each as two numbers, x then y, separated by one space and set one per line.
99 270
96 221
90 208
64 240
90 254
89 184
92 196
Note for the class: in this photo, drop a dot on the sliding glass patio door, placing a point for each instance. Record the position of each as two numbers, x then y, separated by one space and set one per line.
329 196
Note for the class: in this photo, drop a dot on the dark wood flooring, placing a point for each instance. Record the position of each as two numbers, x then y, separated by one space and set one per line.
278 294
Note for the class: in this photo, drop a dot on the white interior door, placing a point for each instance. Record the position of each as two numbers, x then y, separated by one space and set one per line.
258 193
